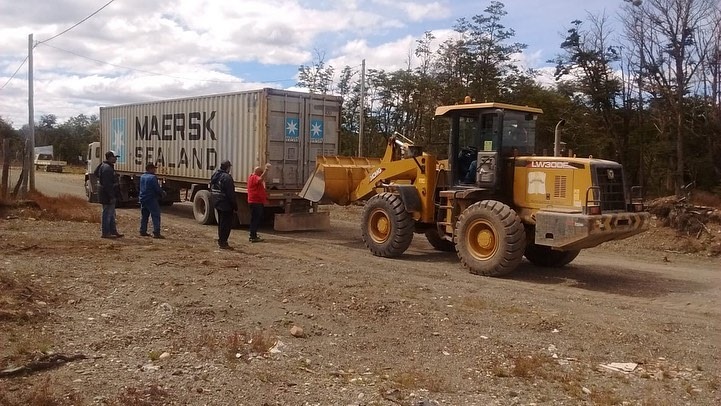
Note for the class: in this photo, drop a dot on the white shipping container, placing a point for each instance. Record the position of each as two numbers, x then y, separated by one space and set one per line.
188 138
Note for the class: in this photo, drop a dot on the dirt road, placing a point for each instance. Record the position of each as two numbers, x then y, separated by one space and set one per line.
178 322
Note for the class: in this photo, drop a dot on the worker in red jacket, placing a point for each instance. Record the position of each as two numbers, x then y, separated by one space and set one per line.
257 198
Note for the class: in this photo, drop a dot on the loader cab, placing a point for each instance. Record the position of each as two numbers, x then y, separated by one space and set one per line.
483 137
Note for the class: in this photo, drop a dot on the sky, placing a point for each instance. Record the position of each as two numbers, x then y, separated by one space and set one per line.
139 50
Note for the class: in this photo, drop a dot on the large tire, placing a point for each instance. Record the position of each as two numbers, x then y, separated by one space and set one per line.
387 228
434 237
203 208
490 238
88 192
541 255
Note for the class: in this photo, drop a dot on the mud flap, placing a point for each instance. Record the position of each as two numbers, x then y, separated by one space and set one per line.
301 221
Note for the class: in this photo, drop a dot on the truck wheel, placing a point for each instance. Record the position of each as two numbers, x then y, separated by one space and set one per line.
541 255
202 208
490 238
387 228
434 237
88 192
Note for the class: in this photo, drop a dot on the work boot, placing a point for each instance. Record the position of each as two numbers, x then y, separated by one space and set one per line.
158 236
144 235
225 247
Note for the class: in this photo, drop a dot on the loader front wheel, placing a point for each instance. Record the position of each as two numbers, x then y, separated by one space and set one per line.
387 228
490 238
541 255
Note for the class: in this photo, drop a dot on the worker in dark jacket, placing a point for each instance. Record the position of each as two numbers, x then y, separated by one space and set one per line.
108 195
222 189
149 196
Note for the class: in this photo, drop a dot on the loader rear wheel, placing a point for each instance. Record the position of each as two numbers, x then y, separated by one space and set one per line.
541 255
434 237
490 238
387 228
203 208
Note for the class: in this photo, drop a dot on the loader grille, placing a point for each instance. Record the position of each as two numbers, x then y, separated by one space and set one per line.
610 180
559 187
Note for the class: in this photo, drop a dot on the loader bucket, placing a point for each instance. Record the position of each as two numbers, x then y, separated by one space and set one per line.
336 178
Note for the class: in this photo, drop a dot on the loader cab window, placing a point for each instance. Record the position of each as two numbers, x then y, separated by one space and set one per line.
478 130
519 133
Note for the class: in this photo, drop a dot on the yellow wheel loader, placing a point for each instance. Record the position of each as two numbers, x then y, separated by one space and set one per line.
492 201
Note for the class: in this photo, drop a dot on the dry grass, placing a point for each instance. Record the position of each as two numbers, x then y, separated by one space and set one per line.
474 303
704 198
40 206
66 207
528 366
257 343
604 397
150 396
414 380
20 299
262 341
46 393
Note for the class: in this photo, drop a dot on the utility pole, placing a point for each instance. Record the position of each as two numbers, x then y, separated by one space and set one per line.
362 107
31 115
28 178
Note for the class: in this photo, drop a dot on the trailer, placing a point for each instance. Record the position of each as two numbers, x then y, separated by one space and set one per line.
188 138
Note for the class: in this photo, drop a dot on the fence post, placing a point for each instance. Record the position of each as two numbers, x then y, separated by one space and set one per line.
6 168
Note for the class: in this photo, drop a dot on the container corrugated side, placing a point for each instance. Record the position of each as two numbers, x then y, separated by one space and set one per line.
188 138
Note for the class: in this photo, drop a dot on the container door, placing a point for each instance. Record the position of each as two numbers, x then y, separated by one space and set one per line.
285 140
322 126
300 127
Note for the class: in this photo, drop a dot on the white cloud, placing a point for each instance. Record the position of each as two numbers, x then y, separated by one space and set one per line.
166 48
388 56
418 11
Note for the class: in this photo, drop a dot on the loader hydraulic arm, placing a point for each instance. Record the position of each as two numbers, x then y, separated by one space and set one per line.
343 180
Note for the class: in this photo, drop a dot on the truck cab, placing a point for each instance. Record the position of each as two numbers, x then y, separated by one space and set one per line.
93 159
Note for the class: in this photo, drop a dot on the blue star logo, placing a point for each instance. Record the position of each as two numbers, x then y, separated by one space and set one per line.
118 138
316 130
292 128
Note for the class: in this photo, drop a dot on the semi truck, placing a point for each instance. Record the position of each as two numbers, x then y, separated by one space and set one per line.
188 138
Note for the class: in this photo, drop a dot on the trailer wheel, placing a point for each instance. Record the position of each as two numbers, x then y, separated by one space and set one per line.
541 255
434 237
387 228
203 208
490 238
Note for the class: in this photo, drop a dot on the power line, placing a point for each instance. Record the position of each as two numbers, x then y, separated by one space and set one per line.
156 73
16 72
78 23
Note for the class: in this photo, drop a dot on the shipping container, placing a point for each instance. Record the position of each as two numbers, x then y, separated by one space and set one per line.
188 138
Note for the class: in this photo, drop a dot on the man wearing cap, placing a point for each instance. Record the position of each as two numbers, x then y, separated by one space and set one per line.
150 195
107 194
222 189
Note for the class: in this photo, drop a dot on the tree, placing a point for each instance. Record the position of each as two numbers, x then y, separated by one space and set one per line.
675 38
318 77
486 51
587 67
